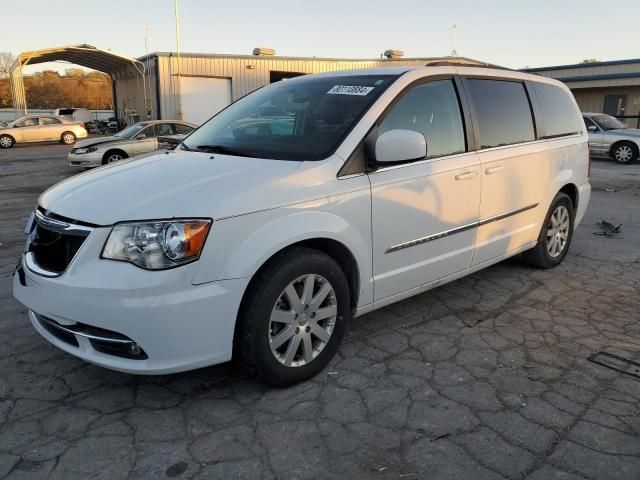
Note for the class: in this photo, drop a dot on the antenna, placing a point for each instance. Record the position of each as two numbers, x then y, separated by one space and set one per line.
453 50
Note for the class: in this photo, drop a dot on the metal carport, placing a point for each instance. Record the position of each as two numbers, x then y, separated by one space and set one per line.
88 56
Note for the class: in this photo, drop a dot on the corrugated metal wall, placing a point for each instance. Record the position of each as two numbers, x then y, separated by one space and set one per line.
246 73
592 99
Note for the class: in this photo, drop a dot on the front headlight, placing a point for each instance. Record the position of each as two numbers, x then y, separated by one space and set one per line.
85 150
156 245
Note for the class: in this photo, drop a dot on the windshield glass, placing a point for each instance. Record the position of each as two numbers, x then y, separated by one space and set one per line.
297 119
607 122
131 131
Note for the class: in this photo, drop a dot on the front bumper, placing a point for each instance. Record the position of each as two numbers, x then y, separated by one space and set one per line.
93 159
177 325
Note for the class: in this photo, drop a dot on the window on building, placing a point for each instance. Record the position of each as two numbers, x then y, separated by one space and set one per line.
558 111
433 110
50 121
503 112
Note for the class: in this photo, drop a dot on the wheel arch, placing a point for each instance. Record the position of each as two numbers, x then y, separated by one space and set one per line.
615 145
571 190
10 136
111 150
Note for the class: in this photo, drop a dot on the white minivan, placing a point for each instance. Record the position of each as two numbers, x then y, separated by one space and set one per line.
304 204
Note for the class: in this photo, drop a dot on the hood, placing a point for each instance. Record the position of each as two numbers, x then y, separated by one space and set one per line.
92 142
625 132
174 184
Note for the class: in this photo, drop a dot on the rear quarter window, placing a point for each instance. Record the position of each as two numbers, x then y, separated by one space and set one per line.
503 112
559 114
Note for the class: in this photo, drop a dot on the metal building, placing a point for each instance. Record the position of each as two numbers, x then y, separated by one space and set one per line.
610 87
196 86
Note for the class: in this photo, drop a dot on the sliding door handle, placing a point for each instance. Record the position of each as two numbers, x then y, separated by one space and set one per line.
492 170
466 175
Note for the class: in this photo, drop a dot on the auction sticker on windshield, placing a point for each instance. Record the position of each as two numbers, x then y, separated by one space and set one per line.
349 90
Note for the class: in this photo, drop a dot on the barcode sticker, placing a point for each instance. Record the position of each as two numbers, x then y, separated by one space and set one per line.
349 90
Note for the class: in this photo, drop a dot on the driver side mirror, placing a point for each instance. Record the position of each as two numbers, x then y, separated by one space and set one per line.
400 146
592 128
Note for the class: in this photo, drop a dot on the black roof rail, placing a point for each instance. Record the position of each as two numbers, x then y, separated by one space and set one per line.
448 63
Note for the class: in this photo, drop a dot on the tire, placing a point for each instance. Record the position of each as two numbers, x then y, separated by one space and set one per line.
113 156
6 141
277 339
67 138
546 253
625 152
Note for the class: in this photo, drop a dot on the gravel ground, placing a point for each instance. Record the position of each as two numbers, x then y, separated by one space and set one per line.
485 378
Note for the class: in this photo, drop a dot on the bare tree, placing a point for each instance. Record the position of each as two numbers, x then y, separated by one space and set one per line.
6 60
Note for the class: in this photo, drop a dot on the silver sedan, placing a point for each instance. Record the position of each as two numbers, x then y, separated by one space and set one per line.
138 139
41 128
609 137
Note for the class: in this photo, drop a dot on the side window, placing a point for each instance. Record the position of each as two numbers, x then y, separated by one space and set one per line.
503 112
180 128
163 129
147 132
29 122
558 111
433 110
49 121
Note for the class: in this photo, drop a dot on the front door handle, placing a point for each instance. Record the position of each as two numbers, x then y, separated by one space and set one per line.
492 170
466 175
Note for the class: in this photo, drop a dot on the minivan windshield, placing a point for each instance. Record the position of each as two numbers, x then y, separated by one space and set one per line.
296 119
131 131
607 122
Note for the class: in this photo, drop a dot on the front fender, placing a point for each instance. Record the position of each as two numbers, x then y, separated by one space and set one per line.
238 247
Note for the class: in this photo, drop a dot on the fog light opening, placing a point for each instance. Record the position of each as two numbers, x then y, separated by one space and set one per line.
135 349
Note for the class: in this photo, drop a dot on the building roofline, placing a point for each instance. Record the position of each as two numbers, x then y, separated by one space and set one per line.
609 76
321 59
583 65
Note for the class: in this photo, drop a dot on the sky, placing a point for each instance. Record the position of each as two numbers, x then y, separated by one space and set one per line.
512 33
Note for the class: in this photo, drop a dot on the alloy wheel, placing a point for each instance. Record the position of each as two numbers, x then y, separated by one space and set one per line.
115 157
302 320
558 231
68 139
623 153
5 142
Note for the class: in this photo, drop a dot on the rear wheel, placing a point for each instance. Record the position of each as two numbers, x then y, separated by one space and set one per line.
113 156
68 138
625 152
6 141
555 236
293 317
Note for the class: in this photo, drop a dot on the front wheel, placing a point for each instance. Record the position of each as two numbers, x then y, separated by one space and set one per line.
68 138
293 317
6 141
625 152
113 156
555 235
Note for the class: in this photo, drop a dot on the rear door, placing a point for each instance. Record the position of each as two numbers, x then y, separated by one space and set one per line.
50 128
424 212
515 168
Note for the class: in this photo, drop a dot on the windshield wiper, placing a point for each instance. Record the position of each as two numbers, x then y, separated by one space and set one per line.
221 149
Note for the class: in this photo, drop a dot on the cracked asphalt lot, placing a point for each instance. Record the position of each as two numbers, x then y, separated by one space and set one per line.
485 378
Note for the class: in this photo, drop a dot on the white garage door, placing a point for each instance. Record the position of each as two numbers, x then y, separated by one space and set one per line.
202 97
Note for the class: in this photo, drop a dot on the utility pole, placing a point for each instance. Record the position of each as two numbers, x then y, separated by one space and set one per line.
453 50
147 99
177 12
